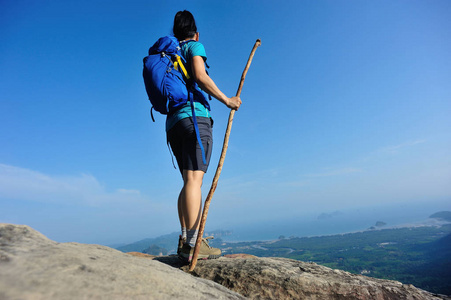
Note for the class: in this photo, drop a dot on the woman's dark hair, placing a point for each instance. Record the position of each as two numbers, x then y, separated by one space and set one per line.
184 25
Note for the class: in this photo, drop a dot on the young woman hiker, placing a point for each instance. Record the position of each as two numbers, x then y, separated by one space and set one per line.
183 139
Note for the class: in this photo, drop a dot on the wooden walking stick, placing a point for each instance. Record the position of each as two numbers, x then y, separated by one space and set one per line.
221 162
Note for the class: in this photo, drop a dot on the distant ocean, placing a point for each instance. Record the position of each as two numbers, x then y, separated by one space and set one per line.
338 222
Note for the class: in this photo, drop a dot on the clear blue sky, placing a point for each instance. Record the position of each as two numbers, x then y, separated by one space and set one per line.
347 104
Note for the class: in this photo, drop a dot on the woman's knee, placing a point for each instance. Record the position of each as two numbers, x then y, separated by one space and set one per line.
193 177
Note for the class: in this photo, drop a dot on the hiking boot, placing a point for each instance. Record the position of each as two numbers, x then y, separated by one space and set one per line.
205 252
181 242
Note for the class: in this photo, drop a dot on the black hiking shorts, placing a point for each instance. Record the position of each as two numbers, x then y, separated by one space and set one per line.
183 141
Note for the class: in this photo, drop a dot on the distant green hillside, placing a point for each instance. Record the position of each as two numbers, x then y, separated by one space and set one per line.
155 250
167 242
416 255
434 273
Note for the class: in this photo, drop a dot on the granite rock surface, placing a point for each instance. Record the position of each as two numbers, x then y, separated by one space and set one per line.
34 267
282 278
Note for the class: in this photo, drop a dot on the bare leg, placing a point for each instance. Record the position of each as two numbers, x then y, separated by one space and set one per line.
190 199
180 210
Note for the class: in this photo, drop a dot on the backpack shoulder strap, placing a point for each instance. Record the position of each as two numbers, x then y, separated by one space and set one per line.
179 63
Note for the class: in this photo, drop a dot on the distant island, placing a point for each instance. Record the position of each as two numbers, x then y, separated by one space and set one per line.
442 215
378 224
326 216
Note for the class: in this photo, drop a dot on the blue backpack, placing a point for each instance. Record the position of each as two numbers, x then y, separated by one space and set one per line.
167 83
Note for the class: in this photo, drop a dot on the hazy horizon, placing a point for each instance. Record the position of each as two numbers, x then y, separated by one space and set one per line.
346 221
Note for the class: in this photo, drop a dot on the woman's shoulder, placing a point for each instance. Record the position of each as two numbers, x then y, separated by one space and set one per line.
193 48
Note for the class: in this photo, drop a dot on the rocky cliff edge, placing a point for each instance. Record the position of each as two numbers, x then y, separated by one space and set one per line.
34 267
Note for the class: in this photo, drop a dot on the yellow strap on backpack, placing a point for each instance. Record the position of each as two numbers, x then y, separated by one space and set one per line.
179 62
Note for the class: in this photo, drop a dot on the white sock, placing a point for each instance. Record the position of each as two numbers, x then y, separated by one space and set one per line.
183 232
191 237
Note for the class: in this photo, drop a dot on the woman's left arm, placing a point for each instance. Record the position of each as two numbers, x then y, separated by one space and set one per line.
208 85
